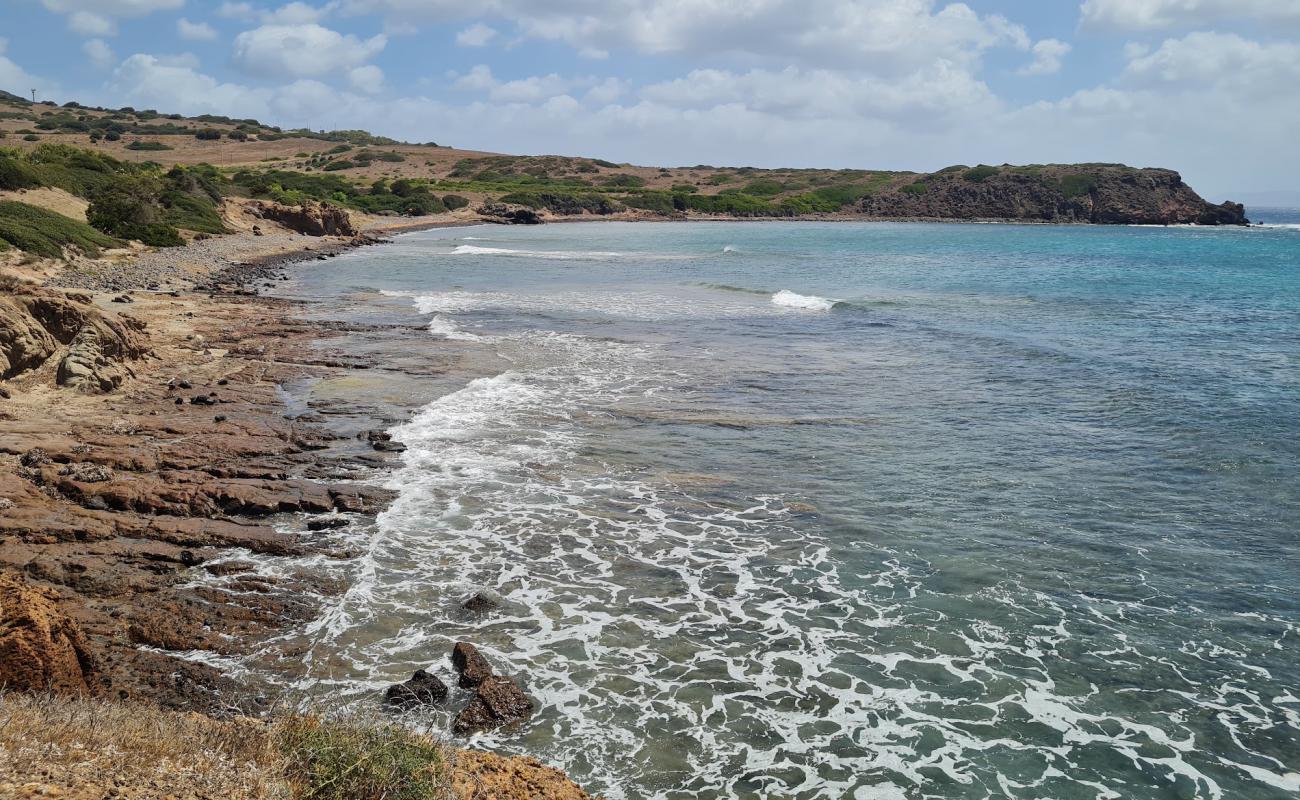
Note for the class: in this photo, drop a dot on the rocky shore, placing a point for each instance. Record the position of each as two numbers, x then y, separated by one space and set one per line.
145 442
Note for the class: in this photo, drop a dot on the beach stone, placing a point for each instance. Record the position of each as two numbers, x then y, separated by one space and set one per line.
326 523
422 689
87 473
498 702
34 458
482 602
41 648
470 664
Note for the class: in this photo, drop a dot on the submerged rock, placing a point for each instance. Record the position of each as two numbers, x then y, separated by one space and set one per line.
422 689
481 602
470 665
498 702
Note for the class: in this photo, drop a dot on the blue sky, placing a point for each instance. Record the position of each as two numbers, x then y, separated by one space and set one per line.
1208 87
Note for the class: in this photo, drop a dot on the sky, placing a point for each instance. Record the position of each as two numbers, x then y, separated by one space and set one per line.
1208 87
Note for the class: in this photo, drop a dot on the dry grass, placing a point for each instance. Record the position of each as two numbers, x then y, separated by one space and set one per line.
75 748
79 749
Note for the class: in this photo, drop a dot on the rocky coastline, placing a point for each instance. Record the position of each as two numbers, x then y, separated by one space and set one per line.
145 443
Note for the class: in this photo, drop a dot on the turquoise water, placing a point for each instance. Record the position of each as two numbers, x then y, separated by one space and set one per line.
849 510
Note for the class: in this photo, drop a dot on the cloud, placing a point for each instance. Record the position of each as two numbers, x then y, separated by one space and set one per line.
99 53
476 35
95 17
295 13
16 79
368 79
896 35
1048 55
87 24
1217 60
1151 14
299 51
240 11
195 31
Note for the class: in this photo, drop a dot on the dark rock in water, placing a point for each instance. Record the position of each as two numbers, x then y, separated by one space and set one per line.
481 602
422 689
470 664
190 559
498 702
378 435
326 523
389 447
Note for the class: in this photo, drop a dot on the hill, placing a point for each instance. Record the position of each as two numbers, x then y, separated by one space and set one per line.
247 158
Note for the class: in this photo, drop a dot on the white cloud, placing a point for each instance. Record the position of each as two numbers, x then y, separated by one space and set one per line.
195 31
240 11
368 79
538 89
1149 14
1218 60
298 51
99 53
87 24
1048 55
16 79
296 13
95 17
476 35
898 35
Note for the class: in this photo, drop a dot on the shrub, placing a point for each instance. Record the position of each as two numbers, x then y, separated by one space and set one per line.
45 233
16 173
238 136
128 209
624 180
763 187
113 136
920 187
208 134
566 203
31 137
600 162
980 174
342 163
336 761
717 179
147 145
454 201
1076 185
685 188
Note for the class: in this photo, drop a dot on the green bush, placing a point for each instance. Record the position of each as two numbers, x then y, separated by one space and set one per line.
624 180
719 178
566 203
454 201
45 233
147 145
128 209
31 137
337 761
600 162
685 188
1076 185
341 164
980 174
208 134
920 187
763 187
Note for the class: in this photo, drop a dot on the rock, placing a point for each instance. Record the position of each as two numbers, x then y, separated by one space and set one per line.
470 665
41 648
219 418
257 230
389 447
190 559
326 523
34 458
36 323
4 393
509 214
310 218
422 689
122 298
203 400
481 602
497 702
87 473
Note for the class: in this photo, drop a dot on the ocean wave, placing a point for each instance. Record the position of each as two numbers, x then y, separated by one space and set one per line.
789 299
726 287
558 255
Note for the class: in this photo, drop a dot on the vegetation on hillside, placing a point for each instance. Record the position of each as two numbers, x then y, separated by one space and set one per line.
46 233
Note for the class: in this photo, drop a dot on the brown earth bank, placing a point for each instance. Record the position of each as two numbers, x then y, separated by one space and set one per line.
144 440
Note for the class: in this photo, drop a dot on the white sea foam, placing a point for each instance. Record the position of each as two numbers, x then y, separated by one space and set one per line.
559 255
789 299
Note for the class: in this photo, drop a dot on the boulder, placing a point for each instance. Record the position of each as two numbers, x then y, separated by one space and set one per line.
497 702
481 602
470 665
310 218
41 648
510 214
422 689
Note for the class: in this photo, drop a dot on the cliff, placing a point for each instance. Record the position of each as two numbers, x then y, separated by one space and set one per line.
1089 193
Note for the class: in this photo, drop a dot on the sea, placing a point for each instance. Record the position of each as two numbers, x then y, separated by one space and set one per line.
834 509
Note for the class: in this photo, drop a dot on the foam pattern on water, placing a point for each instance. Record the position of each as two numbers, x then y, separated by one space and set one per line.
688 637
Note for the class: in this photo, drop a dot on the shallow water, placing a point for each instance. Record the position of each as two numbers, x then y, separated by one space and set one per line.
847 510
